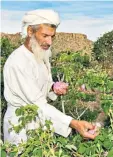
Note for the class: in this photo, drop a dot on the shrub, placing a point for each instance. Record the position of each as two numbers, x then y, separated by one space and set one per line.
86 102
44 143
6 48
75 69
103 47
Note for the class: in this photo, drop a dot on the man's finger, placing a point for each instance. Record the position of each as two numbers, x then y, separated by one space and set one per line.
90 126
90 136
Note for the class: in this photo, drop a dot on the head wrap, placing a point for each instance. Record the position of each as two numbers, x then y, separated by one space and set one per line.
39 16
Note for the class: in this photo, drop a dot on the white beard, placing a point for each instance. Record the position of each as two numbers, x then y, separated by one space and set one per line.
39 53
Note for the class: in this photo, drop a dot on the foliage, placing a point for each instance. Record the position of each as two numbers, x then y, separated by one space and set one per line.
103 47
88 85
42 142
94 79
107 106
28 114
6 48
97 80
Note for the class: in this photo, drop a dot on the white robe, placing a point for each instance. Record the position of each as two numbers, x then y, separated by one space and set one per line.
29 82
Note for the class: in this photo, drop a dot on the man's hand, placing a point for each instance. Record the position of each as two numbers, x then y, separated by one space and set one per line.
60 88
86 129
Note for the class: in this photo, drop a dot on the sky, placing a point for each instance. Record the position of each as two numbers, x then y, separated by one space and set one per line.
93 18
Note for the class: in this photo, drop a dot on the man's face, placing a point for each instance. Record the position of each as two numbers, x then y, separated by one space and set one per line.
44 36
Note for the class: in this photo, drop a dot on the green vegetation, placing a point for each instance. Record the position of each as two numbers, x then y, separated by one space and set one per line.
90 94
6 48
42 142
87 85
103 47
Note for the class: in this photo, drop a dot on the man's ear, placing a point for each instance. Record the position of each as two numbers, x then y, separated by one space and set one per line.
29 31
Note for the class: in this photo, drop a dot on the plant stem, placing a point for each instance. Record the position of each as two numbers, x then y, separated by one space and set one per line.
82 113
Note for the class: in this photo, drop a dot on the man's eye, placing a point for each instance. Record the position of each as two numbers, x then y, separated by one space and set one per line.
44 36
53 36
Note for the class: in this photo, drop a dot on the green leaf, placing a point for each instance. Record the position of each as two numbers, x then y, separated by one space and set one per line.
60 152
12 154
110 153
93 149
110 84
101 138
71 147
3 153
88 150
106 104
107 144
62 140
38 152
82 149
18 112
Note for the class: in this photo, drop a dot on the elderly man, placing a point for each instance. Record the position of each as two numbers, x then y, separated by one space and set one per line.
27 79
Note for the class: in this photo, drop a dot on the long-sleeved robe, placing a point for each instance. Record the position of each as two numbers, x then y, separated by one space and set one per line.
29 82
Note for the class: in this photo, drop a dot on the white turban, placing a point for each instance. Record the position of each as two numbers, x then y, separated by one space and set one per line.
39 16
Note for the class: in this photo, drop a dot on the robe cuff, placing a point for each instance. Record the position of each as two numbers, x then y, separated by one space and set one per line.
63 129
51 95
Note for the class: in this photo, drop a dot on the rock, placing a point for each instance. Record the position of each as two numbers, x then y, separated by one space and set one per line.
62 42
71 42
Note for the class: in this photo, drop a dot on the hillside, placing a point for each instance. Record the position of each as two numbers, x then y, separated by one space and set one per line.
62 42
71 42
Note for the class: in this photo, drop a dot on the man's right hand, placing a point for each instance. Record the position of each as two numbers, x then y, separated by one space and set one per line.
84 128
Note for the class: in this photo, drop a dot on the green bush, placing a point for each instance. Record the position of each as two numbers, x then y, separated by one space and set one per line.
6 49
74 68
44 143
70 67
103 47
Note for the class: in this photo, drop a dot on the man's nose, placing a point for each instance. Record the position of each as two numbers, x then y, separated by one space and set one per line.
49 40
